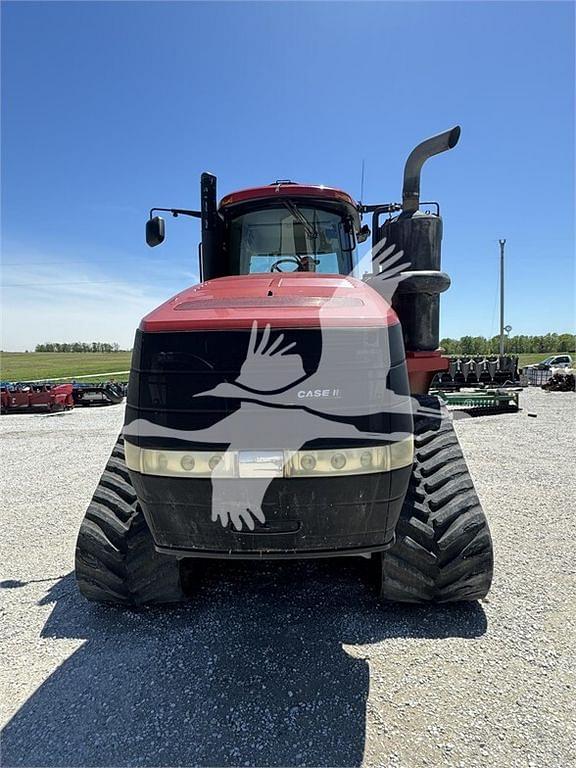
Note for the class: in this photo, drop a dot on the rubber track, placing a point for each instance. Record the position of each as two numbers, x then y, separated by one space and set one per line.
116 561
443 549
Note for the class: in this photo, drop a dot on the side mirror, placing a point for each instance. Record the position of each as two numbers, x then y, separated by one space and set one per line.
155 231
363 233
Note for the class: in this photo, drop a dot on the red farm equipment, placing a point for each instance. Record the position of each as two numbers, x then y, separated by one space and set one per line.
281 272
26 397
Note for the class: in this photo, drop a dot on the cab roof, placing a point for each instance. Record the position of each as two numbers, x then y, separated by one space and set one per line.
282 189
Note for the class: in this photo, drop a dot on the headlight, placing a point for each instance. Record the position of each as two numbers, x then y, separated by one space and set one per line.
340 461
401 453
270 464
168 463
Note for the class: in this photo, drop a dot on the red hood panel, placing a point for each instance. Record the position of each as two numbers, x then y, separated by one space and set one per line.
298 300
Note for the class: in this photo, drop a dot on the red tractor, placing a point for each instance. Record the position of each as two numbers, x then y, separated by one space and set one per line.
280 409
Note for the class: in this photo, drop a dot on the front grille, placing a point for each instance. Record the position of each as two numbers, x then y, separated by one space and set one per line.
339 371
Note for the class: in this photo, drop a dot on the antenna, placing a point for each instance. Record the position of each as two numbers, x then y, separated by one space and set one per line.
362 181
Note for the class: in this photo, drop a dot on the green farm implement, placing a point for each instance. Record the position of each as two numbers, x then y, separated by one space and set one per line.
481 402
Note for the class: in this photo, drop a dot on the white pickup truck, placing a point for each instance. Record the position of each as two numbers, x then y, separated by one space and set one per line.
554 361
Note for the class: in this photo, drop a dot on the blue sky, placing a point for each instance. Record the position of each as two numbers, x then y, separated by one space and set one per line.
111 108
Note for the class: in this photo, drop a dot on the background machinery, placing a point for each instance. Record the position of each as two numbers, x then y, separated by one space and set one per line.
280 270
35 396
98 393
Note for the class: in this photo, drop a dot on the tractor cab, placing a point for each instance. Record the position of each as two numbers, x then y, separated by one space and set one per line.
289 227
281 227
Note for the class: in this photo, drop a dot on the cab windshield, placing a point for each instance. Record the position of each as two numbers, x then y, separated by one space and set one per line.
291 238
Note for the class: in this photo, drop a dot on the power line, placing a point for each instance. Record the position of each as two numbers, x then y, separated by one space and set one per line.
502 242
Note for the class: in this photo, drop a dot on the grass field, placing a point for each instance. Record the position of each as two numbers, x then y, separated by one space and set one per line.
27 366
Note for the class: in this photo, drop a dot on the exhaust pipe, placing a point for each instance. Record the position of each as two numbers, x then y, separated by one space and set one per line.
416 159
419 236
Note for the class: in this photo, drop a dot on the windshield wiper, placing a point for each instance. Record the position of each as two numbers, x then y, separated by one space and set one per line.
311 231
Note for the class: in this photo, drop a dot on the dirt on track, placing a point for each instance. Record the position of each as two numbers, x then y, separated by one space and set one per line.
295 663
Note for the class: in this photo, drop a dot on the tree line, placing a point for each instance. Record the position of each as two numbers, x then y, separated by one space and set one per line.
466 345
480 345
78 346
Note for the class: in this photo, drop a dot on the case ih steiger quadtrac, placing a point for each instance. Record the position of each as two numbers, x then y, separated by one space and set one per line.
279 265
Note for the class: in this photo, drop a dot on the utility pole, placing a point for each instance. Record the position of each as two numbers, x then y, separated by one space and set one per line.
502 244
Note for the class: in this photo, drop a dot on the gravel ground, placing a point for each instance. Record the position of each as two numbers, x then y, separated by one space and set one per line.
295 663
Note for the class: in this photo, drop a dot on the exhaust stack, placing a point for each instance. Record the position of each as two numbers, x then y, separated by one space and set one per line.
419 234
416 159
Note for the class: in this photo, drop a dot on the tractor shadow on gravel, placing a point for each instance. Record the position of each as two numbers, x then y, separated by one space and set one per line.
251 672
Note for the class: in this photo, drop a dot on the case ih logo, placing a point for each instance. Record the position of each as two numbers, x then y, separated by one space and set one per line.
304 393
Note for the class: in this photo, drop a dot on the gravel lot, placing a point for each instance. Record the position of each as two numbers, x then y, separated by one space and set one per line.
292 664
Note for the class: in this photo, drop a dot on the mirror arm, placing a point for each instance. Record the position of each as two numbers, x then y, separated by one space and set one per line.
381 208
178 212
